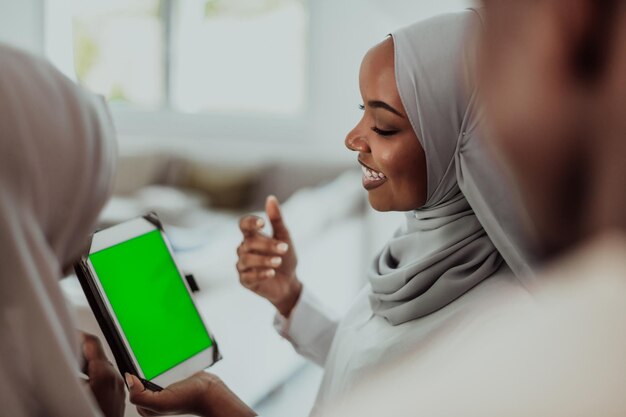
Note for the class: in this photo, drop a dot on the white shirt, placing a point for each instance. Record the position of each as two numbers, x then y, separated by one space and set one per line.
564 354
350 350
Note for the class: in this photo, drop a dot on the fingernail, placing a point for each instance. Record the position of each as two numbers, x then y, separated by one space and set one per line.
276 261
270 273
259 223
282 247
129 380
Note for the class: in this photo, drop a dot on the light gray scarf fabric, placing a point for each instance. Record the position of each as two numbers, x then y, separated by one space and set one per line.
469 227
57 156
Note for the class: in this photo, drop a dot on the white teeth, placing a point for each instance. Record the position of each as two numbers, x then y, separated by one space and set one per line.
374 175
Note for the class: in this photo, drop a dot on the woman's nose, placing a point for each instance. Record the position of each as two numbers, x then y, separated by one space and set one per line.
356 140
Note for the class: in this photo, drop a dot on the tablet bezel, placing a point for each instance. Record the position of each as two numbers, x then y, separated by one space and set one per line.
123 232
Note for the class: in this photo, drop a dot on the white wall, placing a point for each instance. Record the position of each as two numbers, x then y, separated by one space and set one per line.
21 24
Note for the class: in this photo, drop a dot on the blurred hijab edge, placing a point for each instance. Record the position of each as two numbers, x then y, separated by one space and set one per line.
57 157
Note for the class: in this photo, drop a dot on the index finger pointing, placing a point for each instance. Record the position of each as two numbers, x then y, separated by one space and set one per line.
250 225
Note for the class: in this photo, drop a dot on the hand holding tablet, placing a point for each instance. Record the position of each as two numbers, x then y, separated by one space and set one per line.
143 304
201 394
102 378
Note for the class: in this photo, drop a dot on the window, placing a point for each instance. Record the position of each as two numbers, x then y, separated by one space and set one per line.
194 56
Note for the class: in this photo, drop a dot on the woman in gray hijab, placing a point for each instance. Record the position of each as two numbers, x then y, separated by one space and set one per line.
453 258
450 263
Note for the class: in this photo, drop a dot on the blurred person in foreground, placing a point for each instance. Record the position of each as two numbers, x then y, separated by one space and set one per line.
57 158
554 83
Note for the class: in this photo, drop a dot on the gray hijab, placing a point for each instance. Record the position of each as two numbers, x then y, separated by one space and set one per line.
57 155
468 228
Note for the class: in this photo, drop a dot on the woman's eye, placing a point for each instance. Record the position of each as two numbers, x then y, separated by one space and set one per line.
384 132
361 107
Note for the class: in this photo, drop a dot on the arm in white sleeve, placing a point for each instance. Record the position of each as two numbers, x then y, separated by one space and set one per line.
310 328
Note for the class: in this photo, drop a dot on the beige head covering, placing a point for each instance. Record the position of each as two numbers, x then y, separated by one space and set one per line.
56 162
469 226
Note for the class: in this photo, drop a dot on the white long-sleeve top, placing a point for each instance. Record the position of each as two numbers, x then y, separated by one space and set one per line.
360 343
563 355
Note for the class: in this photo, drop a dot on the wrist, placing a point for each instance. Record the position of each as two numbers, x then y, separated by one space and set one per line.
220 401
286 305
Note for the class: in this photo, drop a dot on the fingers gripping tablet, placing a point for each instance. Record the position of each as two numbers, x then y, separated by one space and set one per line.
144 305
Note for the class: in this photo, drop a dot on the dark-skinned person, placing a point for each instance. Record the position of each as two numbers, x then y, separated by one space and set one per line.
553 74
57 154
456 255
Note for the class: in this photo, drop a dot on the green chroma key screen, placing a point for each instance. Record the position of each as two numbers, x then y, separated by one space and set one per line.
151 302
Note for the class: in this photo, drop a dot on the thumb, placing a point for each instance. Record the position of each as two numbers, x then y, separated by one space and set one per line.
272 208
138 394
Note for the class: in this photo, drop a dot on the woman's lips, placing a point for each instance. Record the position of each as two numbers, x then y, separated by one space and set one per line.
371 178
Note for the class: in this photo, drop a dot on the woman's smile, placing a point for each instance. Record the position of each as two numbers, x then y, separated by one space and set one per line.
372 178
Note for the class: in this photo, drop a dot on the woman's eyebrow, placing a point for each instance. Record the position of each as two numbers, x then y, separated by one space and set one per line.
377 104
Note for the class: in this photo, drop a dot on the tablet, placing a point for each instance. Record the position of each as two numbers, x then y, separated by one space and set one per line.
144 304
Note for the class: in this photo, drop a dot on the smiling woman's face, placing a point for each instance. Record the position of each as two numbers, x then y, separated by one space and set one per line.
394 163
